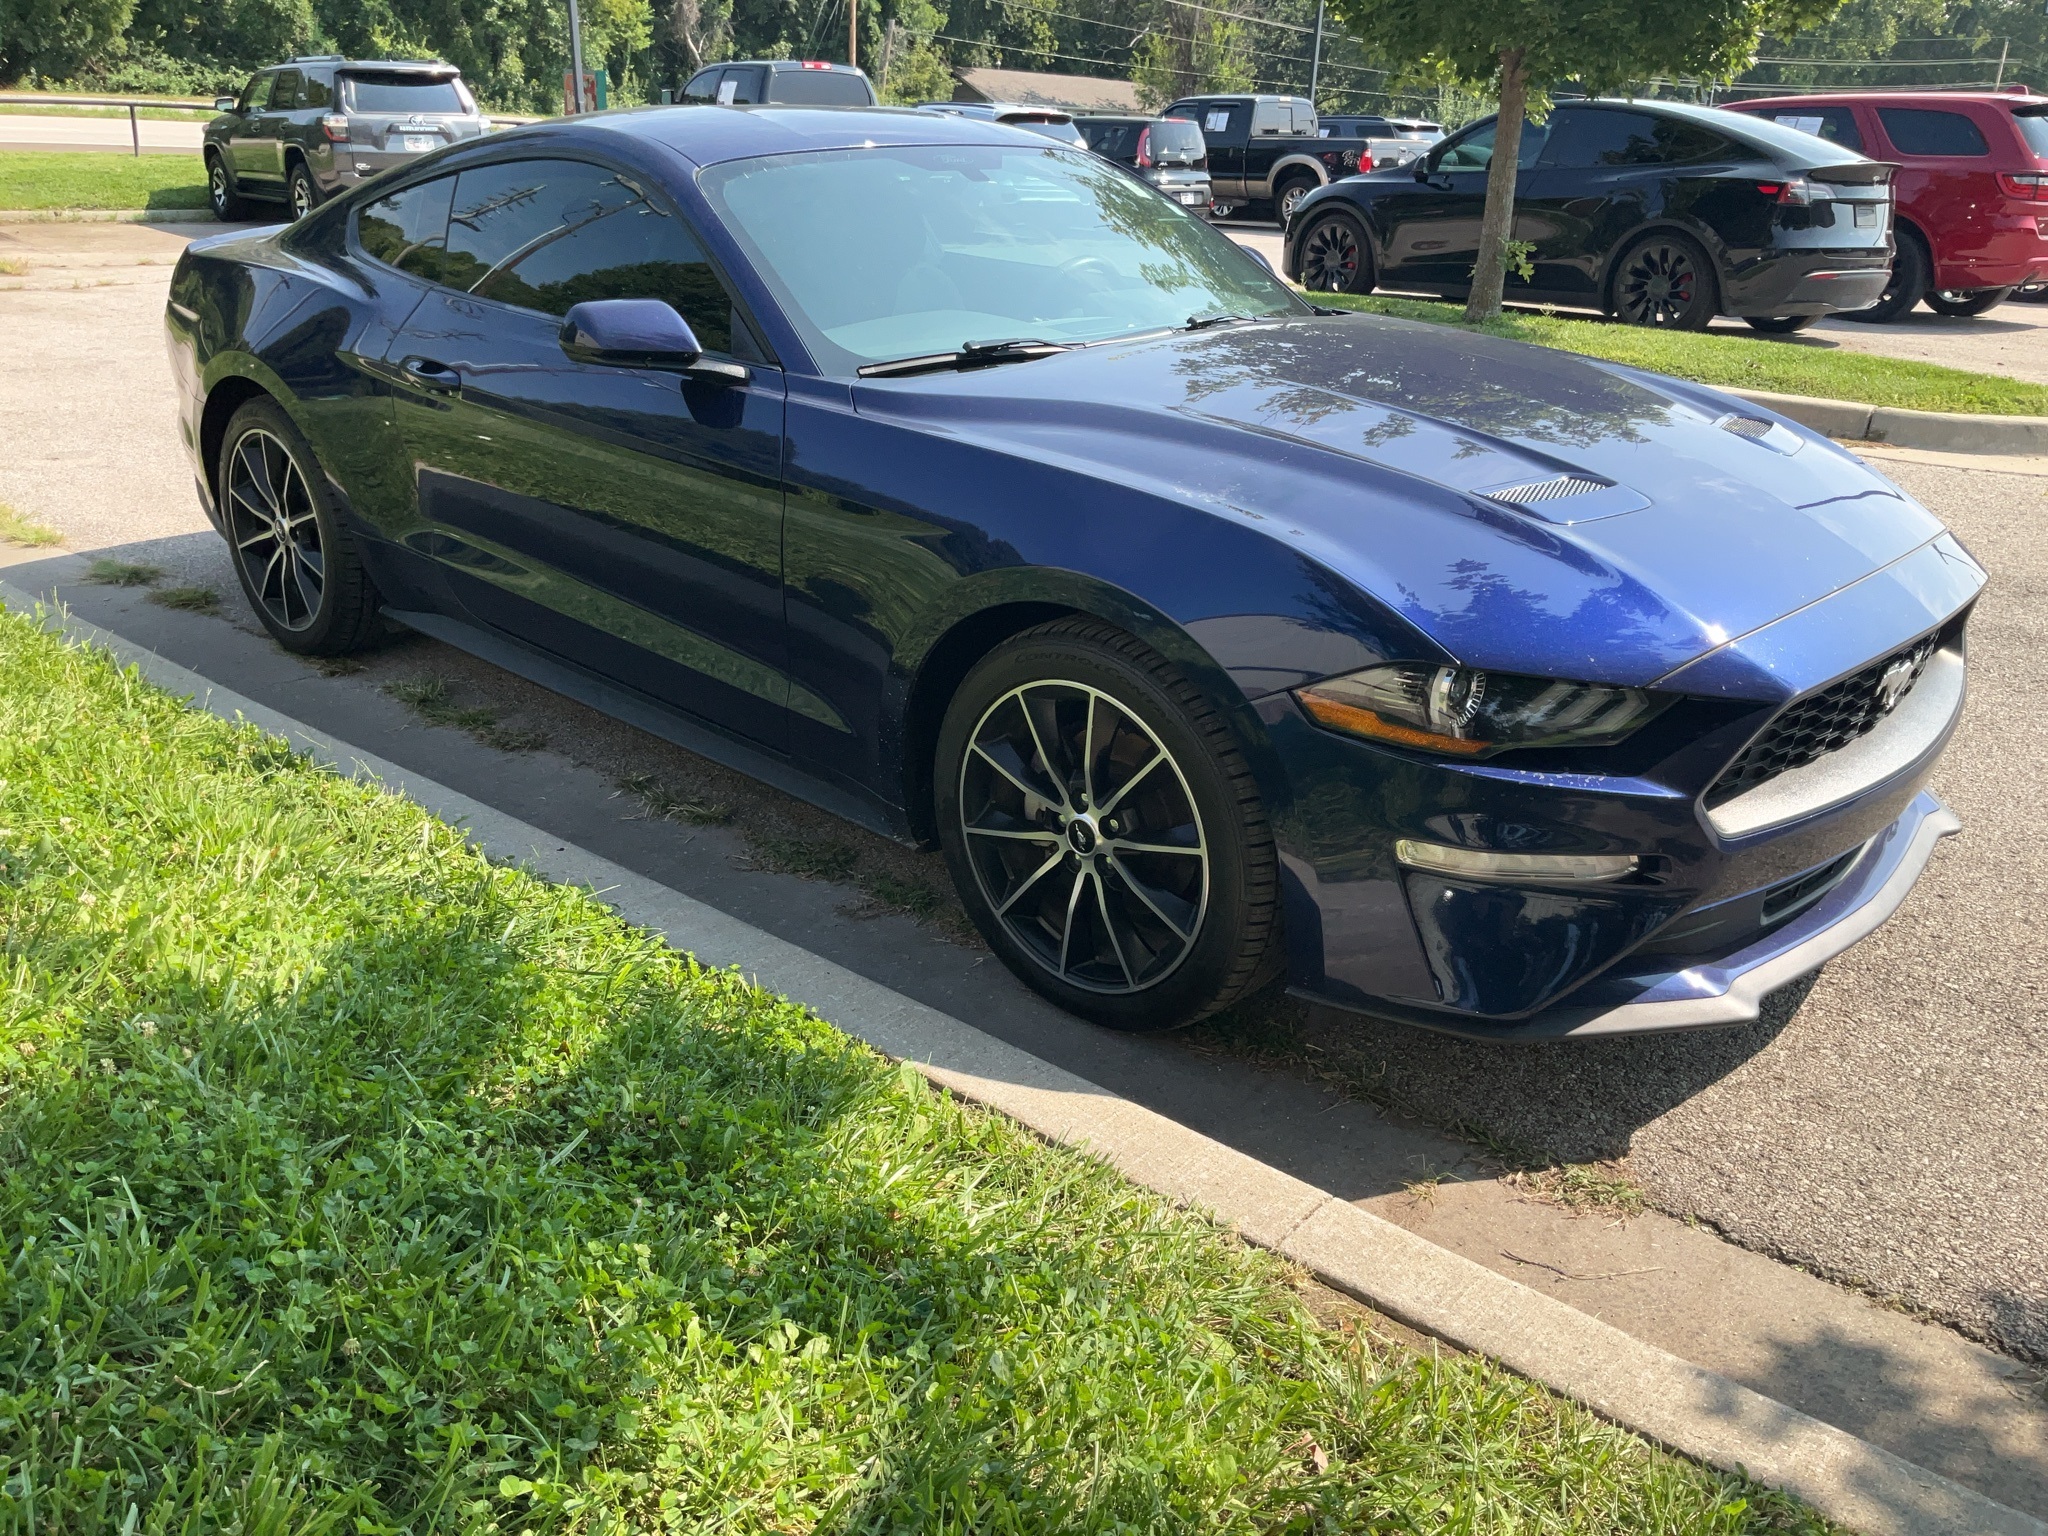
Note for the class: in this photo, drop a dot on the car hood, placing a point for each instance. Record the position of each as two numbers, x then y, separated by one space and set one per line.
1525 509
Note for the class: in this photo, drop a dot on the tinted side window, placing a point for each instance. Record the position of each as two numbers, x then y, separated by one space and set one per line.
1116 141
1835 124
2033 127
408 229
1474 152
284 95
819 88
702 87
1590 138
1917 131
740 85
257 96
318 92
549 234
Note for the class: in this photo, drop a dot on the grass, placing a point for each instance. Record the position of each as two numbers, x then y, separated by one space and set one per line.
58 179
1742 362
663 802
188 599
13 266
16 529
122 573
428 698
350 1182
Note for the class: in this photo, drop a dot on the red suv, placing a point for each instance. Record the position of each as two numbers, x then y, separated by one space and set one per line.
1971 192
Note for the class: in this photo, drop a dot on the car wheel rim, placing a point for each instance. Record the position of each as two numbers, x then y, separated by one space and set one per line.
1659 286
217 185
275 532
1289 201
1329 258
1084 837
302 199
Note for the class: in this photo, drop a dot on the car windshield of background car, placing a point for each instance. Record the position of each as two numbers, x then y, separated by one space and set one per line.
880 254
407 94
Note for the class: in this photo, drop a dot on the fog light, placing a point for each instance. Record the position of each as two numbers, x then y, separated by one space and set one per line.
1579 868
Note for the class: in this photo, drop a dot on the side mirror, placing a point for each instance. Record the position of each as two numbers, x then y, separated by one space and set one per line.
1422 170
223 103
1259 256
641 333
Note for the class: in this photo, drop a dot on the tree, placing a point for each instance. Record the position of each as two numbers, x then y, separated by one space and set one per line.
1520 47
52 38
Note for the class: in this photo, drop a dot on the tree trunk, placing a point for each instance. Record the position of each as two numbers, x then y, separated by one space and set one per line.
1496 227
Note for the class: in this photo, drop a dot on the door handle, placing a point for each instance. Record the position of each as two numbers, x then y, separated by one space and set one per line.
428 374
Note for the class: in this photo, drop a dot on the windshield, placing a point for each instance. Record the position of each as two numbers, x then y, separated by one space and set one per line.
406 93
880 254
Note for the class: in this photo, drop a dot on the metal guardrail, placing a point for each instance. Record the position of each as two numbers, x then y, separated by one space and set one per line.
39 99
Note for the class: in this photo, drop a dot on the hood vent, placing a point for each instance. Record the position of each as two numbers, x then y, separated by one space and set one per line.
1745 426
1549 490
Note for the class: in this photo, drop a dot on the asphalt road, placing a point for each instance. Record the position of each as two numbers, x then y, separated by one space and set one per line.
1887 1127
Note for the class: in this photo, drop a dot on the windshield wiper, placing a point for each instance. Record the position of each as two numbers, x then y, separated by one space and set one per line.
1221 317
973 354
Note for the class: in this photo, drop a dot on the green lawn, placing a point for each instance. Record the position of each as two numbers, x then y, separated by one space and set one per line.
1790 367
34 178
351 1183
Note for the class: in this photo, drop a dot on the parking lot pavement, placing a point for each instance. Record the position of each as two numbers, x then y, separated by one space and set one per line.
57 130
2012 340
1886 1127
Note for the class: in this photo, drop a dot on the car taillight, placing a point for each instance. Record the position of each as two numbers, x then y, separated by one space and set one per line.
1798 190
2029 185
1144 148
816 64
335 126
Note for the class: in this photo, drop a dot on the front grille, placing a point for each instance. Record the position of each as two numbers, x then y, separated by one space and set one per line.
1807 729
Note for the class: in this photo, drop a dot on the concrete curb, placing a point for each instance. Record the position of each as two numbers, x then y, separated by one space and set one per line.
1943 431
108 216
1694 1411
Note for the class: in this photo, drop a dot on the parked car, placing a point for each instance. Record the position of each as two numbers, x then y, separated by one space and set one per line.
1048 122
311 127
1972 187
1167 152
1389 140
1266 153
796 82
1658 212
966 488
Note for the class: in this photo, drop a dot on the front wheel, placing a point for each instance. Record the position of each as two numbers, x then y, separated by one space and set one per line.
1779 325
1334 256
1104 830
1665 281
296 561
1964 302
229 206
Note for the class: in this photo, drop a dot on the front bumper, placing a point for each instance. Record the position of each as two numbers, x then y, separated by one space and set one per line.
1729 990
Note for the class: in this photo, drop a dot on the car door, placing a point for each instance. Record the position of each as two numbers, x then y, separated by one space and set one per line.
1224 126
1430 233
272 126
1944 180
1600 174
245 139
623 519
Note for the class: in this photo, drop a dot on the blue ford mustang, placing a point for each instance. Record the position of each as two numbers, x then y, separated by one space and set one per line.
964 485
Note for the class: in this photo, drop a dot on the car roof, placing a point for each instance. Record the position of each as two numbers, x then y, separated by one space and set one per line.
395 66
706 135
1893 98
816 66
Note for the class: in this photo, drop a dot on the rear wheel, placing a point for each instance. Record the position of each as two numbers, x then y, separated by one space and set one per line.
301 192
1665 281
1962 302
1910 270
1289 197
1334 256
1104 831
229 206
1779 325
296 561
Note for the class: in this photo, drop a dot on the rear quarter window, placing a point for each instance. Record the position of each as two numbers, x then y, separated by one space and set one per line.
2033 127
1921 131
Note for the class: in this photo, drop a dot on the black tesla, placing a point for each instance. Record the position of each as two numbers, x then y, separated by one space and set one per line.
1659 213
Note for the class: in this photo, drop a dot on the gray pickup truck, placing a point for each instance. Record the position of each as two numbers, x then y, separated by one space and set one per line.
305 129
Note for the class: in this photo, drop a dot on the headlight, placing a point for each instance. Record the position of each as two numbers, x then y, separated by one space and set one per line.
1471 713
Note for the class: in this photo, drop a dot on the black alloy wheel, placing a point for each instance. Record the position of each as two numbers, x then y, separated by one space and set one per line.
1779 325
1104 831
1911 270
229 206
1960 303
297 564
302 193
1664 281
1334 257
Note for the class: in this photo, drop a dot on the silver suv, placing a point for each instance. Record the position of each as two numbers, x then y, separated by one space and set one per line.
304 130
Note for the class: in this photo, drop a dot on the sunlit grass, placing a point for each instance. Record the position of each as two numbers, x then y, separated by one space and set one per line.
84 179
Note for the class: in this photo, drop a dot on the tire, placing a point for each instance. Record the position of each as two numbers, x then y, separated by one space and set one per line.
1222 210
1665 281
1287 197
1050 863
1335 256
297 564
228 204
301 191
1963 302
1779 325
1910 272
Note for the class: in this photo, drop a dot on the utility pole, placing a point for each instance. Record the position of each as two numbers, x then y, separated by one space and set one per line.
888 52
2004 48
853 32
575 58
1315 63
